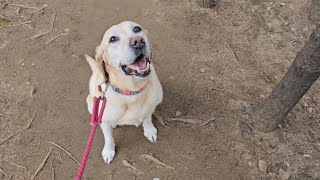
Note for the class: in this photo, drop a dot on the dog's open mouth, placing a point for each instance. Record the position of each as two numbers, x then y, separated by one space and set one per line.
140 67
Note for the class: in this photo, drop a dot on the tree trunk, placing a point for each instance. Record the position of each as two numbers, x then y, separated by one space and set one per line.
207 3
303 72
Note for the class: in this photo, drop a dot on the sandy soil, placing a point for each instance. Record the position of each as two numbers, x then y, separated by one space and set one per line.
213 63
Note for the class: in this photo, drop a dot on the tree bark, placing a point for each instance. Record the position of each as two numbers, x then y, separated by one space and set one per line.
207 3
300 76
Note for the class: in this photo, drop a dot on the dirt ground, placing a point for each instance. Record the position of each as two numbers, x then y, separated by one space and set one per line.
212 63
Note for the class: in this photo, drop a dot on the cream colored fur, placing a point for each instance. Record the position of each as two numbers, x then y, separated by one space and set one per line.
123 109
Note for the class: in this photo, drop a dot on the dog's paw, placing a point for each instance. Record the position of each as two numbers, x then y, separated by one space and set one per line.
108 154
150 133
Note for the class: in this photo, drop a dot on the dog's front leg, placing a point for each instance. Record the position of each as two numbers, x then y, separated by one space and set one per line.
149 131
108 151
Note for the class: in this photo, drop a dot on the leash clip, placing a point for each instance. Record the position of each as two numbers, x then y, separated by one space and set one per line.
102 88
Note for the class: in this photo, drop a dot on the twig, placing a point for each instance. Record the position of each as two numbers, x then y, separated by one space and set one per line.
23 6
190 121
51 28
17 165
129 165
18 11
8 158
3 115
53 19
42 164
155 160
5 18
3 172
27 22
22 60
207 121
30 154
160 119
43 7
28 26
231 95
53 173
19 131
68 153
233 53
41 34
64 34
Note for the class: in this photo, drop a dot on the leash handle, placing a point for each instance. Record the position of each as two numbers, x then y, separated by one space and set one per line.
95 122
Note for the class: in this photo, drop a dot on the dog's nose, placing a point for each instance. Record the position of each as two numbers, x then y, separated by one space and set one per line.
137 42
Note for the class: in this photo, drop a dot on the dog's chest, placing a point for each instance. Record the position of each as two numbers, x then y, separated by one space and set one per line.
132 110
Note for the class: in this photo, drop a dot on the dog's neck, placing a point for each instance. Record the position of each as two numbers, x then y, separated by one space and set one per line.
121 81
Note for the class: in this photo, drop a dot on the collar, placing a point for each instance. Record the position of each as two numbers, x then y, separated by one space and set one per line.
126 91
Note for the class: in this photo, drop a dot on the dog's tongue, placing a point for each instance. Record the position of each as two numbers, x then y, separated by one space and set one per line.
139 64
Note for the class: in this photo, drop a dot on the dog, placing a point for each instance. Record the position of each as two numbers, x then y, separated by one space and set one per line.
123 61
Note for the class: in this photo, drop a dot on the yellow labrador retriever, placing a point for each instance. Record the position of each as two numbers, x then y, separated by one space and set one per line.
133 89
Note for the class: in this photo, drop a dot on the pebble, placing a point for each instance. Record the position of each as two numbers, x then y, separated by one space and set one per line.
172 77
244 127
286 163
262 165
202 70
283 174
178 114
283 4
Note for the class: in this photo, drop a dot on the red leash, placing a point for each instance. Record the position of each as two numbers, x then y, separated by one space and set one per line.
95 122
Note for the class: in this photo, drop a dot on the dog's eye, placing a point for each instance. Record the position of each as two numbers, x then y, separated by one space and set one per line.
137 29
113 39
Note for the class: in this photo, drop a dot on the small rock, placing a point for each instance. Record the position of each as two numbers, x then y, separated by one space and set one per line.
2 45
286 163
283 174
244 127
74 56
172 77
178 114
202 70
294 30
66 30
211 78
33 64
239 138
262 165
283 4
156 179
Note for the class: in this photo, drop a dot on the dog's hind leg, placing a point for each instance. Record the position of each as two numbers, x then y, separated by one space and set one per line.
108 151
149 131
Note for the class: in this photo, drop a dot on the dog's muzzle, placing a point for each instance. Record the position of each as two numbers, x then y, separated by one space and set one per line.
140 67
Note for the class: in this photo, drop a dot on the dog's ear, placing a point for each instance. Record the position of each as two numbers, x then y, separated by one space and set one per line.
99 54
97 67
148 36
102 61
92 63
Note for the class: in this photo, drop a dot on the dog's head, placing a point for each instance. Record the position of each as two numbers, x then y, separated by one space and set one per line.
126 48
